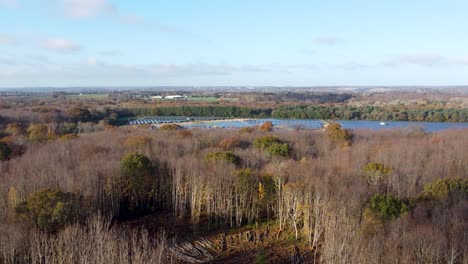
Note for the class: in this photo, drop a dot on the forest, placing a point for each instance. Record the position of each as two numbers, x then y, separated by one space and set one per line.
388 113
250 195
398 113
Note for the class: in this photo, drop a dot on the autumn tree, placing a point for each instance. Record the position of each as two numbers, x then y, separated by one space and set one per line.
375 172
138 142
171 127
266 127
38 133
15 129
70 136
223 156
244 130
184 133
50 210
278 149
267 195
77 114
245 196
445 188
229 143
272 146
294 204
338 134
388 207
137 185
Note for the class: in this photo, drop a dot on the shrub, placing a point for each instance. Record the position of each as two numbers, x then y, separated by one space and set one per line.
184 133
374 172
388 207
138 142
15 129
67 137
415 131
266 127
229 143
5 151
338 134
137 185
264 142
223 155
272 146
278 149
38 133
77 114
171 127
444 188
246 130
50 210
135 164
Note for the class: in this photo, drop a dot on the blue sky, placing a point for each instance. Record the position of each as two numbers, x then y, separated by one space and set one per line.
278 43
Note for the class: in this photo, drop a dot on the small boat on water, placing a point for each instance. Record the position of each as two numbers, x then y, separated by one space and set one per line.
383 124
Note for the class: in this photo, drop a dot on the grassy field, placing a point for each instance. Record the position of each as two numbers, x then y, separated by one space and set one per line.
213 99
206 99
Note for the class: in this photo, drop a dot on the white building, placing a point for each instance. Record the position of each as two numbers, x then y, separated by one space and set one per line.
174 97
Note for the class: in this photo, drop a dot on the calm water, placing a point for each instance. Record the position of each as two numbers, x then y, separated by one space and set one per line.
315 124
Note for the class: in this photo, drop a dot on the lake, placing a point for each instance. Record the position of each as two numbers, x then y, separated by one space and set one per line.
316 124
211 122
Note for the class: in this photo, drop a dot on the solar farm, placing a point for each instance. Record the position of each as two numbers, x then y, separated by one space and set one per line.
221 122
169 119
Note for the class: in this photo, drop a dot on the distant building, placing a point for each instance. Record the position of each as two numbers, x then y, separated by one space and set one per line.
175 97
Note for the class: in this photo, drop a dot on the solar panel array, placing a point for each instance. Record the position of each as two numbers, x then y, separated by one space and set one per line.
168 119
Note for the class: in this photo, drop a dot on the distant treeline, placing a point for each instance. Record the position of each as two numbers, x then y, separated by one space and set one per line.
218 111
371 113
313 112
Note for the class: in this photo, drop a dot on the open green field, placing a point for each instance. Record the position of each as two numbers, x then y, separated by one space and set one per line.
206 99
213 99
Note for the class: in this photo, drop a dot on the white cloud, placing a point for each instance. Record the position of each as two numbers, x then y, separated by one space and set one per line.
61 45
94 8
86 8
327 40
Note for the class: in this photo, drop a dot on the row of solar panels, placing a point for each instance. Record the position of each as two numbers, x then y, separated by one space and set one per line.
261 121
168 119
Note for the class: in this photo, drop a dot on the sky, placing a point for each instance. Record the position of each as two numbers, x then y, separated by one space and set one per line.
58 43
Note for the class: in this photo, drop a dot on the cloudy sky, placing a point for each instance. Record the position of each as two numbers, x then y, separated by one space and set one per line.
242 42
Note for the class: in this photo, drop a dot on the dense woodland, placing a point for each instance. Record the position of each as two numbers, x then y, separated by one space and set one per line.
78 187
392 113
254 195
